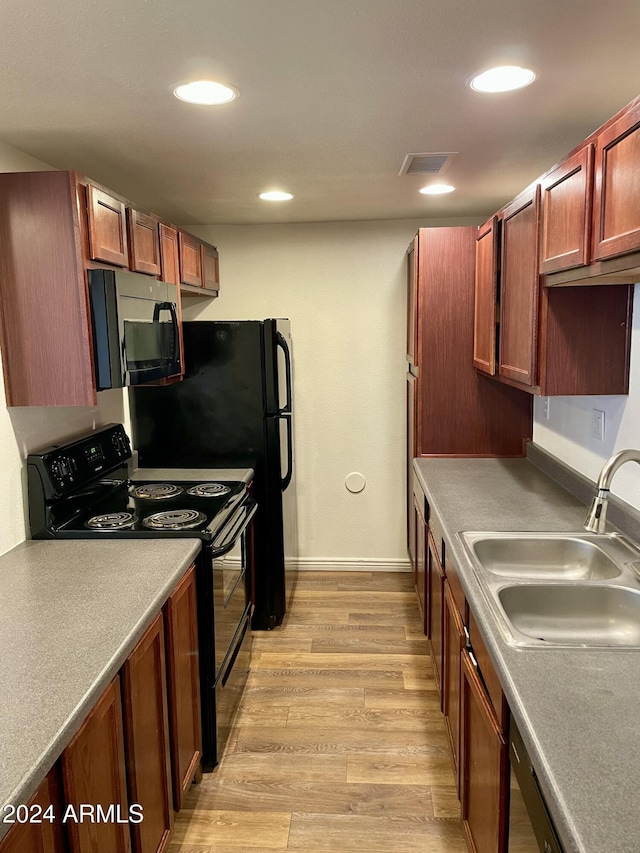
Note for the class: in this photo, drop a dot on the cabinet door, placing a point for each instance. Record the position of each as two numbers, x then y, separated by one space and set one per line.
107 228
210 271
190 260
184 685
519 289
169 254
144 244
93 768
412 304
483 766
566 213
486 294
420 572
146 730
45 837
454 643
436 603
616 211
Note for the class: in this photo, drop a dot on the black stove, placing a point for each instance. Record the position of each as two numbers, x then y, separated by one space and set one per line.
82 490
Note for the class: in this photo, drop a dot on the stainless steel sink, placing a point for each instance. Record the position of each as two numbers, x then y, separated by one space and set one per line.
560 589
574 614
534 556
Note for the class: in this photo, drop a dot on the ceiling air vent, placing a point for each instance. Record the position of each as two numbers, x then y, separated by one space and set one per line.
434 163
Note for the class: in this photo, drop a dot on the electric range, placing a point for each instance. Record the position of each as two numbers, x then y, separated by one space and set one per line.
82 490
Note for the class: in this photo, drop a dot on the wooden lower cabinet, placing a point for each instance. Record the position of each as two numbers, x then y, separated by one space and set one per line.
454 640
146 730
45 837
420 576
94 772
435 576
484 768
184 685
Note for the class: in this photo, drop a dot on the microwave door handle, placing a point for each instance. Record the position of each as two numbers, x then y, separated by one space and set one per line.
282 343
171 308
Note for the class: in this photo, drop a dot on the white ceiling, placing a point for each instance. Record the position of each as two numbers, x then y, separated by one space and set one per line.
333 94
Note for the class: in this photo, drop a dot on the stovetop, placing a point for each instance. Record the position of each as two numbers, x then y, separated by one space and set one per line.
153 509
82 490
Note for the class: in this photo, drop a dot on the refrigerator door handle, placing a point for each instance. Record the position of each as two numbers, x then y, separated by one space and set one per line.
282 343
284 482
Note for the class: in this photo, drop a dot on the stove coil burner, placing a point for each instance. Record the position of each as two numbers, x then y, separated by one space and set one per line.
209 490
175 519
156 491
112 521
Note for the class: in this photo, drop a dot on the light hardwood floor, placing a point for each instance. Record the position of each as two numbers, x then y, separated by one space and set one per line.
339 744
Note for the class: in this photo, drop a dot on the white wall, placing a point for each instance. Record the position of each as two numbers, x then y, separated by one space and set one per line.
25 429
567 432
343 285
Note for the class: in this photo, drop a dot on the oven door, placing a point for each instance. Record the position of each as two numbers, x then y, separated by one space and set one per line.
224 613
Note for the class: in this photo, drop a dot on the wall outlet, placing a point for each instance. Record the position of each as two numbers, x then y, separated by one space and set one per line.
546 405
597 425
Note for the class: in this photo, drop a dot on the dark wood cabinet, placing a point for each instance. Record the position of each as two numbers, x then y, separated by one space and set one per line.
454 640
107 228
412 303
210 271
420 575
190 259
184 685
484 769
93 767
48 835
486 297
144 242
519 289
456 410
567 192
435 574
616 211
169 254
146 731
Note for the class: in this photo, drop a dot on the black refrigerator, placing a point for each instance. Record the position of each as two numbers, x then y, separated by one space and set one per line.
234 410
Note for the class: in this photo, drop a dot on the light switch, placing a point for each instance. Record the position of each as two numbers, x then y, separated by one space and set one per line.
597 425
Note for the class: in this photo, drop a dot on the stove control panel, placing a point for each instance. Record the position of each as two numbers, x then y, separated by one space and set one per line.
64 468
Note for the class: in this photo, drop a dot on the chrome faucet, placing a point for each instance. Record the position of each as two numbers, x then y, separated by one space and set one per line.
596 521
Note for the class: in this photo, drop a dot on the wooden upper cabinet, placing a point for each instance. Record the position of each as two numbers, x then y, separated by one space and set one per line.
169 254
44 837
190 259
93 767
107 228
144 243
616 209
412 305
486 294
519 291
566 213
146 730
184 685
210 271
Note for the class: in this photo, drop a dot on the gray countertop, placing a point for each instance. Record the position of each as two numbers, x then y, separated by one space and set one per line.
577 708
70 614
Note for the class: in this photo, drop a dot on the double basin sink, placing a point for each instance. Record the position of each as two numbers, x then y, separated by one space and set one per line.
558 590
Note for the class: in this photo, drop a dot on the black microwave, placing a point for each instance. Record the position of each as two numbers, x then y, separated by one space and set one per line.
136 335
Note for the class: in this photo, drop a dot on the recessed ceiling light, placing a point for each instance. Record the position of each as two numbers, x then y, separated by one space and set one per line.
205 92
275 195
436 189
504 78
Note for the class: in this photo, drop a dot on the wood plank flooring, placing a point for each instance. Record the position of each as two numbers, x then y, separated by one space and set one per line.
339 744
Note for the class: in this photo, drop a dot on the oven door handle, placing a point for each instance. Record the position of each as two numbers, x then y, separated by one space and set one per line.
232 531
